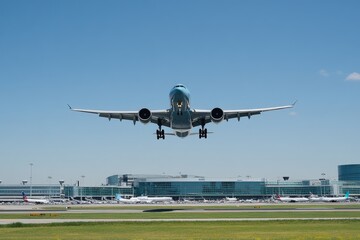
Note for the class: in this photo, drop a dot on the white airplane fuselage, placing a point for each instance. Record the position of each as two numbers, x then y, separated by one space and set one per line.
292 199
34 200
147 199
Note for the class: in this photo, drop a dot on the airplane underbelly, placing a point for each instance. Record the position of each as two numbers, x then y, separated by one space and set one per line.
181 122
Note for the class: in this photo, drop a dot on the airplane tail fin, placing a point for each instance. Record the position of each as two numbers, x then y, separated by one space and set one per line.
24 196
347 195
118 197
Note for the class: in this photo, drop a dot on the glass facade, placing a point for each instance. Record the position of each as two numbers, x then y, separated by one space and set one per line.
216 189
184 188
299 188
96 192
350 172
36 190
352 187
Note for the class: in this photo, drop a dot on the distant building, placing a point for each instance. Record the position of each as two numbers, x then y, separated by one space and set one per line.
12 192
195 187
191 187
349 172
128 179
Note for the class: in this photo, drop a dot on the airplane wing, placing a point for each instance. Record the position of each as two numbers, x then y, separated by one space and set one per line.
162 116
200 117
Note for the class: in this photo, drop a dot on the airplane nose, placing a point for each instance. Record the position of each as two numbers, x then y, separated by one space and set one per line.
175 93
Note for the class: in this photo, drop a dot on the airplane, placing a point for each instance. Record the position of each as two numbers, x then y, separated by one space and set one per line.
143 199
132 200
146 199
231 199
180 117
34 200
291 199
315 198
335 199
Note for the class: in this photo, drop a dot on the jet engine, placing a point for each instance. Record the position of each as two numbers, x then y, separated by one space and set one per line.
144 115
217 115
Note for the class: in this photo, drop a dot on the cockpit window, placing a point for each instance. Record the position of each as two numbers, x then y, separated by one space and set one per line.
180 85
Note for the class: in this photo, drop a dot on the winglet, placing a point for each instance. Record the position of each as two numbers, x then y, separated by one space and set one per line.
69 107
294 103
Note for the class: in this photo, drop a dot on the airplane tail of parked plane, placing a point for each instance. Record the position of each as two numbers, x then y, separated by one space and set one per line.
24 197
34 200
347 195
118 197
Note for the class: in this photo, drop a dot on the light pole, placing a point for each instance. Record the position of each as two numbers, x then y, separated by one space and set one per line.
31 165
61 188
83 183
323 178
49 177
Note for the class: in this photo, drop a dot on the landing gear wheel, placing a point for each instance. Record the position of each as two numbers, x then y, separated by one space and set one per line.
202 133
160 134
157 134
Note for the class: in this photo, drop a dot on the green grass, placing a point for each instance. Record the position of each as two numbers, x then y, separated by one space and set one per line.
295 229
187 230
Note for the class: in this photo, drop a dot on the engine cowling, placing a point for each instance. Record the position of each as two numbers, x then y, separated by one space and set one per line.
217 115
144 115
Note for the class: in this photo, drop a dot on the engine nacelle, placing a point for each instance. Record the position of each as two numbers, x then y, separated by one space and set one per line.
217 115
144 115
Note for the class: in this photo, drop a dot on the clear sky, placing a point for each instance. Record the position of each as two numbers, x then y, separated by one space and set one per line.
125 55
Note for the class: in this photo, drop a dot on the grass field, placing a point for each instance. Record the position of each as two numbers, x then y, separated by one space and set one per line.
276 229
337 229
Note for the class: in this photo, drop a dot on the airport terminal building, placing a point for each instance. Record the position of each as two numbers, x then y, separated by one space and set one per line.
193 187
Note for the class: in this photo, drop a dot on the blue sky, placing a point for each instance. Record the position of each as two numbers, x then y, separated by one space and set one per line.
125 55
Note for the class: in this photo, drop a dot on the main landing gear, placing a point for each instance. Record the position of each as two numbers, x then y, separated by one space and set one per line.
160 133
203 133
203 130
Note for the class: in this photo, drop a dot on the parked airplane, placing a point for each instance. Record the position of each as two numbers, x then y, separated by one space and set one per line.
180 117
143 199
315 198
291 199
231 199
336 199
125 200
146 199
34 200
